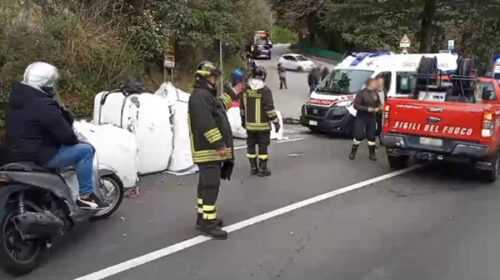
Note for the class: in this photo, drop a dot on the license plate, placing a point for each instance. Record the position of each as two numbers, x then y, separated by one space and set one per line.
431 141
315 123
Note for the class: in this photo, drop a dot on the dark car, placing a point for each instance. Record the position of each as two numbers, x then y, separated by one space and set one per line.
327 109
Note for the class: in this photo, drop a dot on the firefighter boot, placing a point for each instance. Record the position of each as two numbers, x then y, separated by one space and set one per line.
210 228
354 149
254 169
371 149
199 218
263 170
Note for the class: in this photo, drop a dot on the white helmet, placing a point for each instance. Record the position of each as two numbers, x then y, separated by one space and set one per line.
41 75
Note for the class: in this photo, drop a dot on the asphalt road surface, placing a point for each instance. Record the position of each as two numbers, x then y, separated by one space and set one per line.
320 216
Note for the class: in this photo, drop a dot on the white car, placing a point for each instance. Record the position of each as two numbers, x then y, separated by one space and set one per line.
296 62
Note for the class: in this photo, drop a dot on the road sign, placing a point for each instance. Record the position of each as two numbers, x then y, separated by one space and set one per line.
451 45
169 61
405 42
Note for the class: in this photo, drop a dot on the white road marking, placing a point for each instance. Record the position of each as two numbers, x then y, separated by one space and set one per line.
279 142
147 258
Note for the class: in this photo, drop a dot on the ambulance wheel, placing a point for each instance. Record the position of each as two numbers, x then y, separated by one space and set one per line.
492 175
398 162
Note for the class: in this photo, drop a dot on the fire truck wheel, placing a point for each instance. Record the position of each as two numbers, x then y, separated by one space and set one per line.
398 162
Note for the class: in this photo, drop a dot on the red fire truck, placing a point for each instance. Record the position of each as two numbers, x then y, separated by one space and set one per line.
447 117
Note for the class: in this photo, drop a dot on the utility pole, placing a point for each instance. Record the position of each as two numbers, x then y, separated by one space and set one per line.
221 68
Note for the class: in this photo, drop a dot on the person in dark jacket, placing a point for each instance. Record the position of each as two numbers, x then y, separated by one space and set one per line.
257 113
39 130
211 143
313 79
367 103
282 76
324 72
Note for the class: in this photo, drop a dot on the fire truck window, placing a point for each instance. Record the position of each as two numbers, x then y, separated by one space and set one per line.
387 81
485 91
404 83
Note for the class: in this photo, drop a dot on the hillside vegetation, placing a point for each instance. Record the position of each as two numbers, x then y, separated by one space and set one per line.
98 43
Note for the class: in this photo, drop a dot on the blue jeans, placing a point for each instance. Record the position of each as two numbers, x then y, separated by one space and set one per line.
79 156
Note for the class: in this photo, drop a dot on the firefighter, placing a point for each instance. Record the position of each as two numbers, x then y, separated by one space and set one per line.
211 143
257 113
368 104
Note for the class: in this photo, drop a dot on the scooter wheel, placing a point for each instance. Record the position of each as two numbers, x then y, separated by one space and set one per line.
113 192
17 257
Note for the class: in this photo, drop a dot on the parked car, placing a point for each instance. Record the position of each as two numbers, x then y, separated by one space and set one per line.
451 117
296 62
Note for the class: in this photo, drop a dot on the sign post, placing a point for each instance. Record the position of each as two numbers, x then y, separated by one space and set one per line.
405 44
451 45
168 61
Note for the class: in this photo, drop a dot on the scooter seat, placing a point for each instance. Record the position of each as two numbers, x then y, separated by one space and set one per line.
23 167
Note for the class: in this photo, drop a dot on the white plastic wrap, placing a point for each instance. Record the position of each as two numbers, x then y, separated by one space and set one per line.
233 115
111 110
181 161
147 116
115 147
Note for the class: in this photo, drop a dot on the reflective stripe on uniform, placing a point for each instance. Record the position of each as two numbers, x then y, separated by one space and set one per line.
271 114
257 110
251 155
258 126
208 208
211 155
370 143
209 212
356 142
263 157
209 216
226 99
213 135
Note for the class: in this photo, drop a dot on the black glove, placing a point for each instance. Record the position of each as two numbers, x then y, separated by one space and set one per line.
227 170
277 126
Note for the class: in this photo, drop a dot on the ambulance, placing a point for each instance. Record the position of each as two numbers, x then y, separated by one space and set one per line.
329 108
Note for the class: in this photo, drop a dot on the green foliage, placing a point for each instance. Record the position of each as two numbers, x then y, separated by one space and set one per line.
380 24
283 35
97 43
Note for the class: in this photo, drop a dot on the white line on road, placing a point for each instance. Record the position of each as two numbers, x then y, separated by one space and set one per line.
279 142
147 258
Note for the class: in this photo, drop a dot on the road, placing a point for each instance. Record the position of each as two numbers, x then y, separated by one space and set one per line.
320 216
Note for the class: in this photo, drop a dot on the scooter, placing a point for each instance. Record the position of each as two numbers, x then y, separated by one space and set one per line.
38 205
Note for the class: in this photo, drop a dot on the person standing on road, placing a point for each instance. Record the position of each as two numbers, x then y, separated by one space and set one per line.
367 103
211 144
257 113
380 79
282 75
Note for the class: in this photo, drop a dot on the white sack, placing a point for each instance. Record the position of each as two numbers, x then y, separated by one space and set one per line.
111 111
147 116
234 117
181 161
115 147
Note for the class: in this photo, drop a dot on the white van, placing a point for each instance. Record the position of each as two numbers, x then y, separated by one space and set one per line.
327 107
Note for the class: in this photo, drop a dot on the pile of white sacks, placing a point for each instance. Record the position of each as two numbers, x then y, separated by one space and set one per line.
147 133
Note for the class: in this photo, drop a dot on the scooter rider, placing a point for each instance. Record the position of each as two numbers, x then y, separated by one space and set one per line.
368 104
211 143
39 130
257 113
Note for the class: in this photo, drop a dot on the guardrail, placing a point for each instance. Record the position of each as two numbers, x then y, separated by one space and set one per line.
315 51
